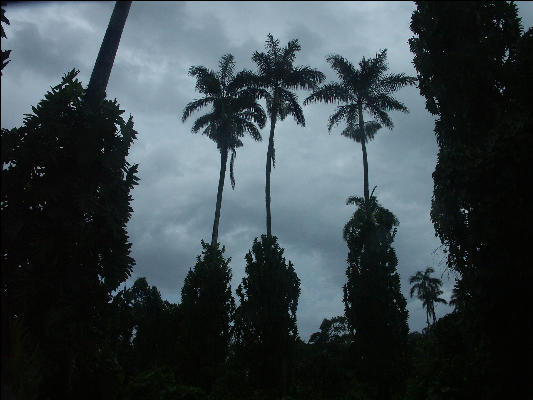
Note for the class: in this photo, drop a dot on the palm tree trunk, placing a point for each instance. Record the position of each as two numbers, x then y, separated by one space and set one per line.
363 146
223 162
270 152
106 55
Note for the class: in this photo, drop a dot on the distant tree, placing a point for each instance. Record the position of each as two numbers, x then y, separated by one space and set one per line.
374 305
65 204
474 66
106 56
427 290
265 321
366 88
279 77
234 113
208 308
334 330
5 53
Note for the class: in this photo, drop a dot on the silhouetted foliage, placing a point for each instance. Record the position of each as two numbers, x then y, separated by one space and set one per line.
427 290
474 66
265 321
5 53
208 309
65 205
279 78
374 305
234 113
366 88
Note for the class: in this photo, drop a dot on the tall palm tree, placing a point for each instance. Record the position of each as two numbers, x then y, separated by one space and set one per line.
428 290
106 55
279 77
234 113
366 88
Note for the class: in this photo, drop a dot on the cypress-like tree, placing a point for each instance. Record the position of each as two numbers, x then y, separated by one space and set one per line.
374 305
265 321
208 307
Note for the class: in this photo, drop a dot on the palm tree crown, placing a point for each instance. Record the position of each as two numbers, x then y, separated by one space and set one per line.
366 88
428 290
278 77
234 112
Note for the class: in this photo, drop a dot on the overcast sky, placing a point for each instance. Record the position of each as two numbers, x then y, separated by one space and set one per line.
315 172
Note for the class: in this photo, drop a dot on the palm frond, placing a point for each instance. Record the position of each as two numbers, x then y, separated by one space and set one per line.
303 77
203 121
388 103
393 82
206 81
381 115
344 68
340 114
330 93
195 105
226 66
290 106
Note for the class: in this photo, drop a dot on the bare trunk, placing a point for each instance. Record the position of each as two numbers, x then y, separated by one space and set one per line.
363 147
223 162
270 151
106 55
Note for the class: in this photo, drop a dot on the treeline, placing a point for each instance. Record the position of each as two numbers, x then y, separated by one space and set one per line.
69 331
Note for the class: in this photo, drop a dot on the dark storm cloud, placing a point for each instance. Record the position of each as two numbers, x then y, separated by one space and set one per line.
315 171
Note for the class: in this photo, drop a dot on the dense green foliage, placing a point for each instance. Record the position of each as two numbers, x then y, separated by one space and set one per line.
474 65
65 204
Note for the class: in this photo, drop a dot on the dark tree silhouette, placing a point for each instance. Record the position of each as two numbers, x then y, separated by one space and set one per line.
474 65
265 321
366 88
427 290
279 77
234 113
374 305
65 205
5 53
106 56
208 309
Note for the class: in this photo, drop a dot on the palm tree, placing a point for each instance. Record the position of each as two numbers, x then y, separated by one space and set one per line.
428 290
234 113
106 55
366 88
279 77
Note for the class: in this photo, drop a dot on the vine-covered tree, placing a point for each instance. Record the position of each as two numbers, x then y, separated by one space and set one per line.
279 77
65 205
265 321
367 88
234 112
428 290
374 305
474 66
208 307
